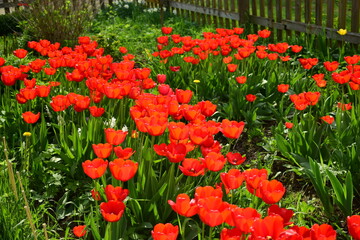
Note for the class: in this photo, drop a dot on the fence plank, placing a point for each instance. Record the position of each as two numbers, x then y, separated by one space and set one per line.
318 12
307 11
220 7
226 8
203 16
342 14
208 18
215 18
288 15
254 13
243 9
279 18
330 14
232 9
262 8
355 16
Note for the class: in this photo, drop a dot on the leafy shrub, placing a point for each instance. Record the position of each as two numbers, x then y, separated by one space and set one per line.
57 21
9 23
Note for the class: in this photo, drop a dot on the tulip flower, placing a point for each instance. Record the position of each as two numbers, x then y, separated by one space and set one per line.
271 191
102 150
20 53
207 191
184 206
212 211
232 179
286 214
79 231
123 170
323 231
95 168
353 224
268 228
235 158
30 117
192 167
232 129
244 218
165 232
116 193
112 210
115 137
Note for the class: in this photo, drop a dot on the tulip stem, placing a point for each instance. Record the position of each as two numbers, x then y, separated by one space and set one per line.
210 233
203 231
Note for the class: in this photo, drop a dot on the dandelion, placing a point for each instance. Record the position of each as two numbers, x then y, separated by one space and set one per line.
27 134
196 81
342 31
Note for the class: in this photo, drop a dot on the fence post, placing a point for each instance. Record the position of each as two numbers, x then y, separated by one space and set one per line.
243 7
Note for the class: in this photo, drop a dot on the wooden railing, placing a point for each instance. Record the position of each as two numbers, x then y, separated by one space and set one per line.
284 16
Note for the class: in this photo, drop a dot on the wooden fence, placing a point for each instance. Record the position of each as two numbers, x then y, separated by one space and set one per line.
284 16
8 6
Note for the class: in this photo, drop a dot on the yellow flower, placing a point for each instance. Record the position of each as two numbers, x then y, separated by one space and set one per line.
196 81
342 31
27 134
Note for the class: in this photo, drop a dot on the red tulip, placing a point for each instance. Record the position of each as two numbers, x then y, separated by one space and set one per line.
353 224
235 158
283 88
125 153
184 206
96 111
166 30
289 125
268 228
328 119
165 232
123 170
176 152
95 168
214 161
232 234
296 48
183 96
178 130
232 179
116 193
30 117
102 150
212 211
95 195
42 91
112 210
79 231
232 129
192 167
253 177
286 214
20 53
241 79
207 191
115 137
271 191
323 231
244 218
331 66
232 67
250 98
264 33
